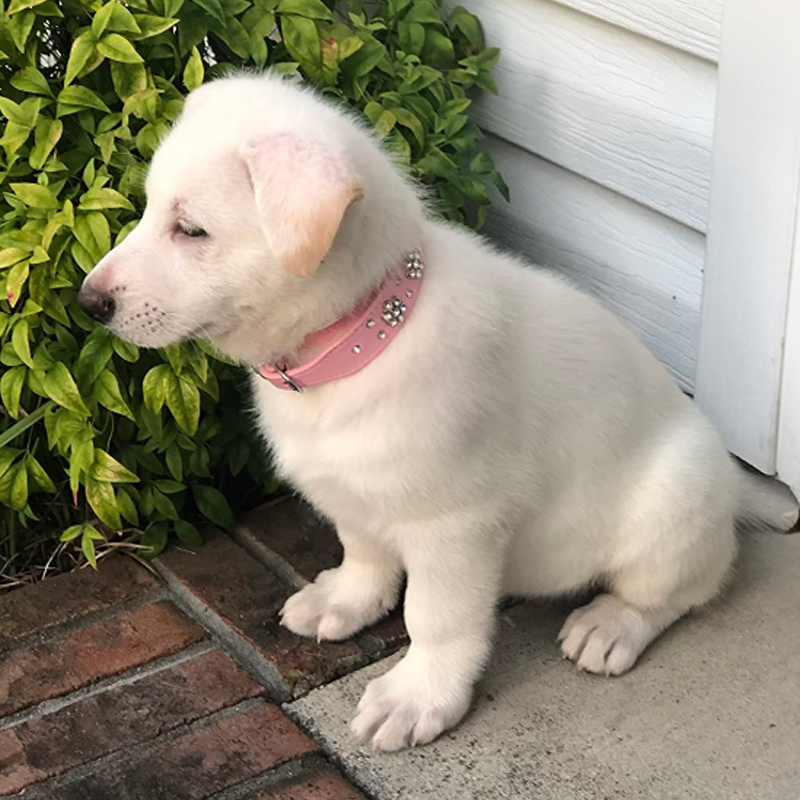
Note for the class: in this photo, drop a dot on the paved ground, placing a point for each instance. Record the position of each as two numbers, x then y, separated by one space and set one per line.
712 711
123 685
180 685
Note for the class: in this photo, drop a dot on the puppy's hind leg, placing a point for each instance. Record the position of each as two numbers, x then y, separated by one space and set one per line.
647 596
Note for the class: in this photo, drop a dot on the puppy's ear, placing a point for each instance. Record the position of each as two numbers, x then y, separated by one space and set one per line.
302 189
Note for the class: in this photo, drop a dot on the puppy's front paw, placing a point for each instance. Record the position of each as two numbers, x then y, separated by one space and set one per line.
404 708
337 605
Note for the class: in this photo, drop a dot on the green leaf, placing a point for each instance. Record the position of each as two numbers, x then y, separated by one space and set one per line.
20 5
20 26
95 354
183 400
73 532
155 386
366 58
47 134
438 50
151 25
169 487
127 508
100 495
118 48
74 98
87 546
31 81
313 9
11 385
102 18
125 350
35 196
60 387
10 256
108 394
154 539
100 199
38 477
106 468
19 487
302 40
213 505
188 534
175 462
128 79
82 51
213 7
469 25
20 341
16 280
193 72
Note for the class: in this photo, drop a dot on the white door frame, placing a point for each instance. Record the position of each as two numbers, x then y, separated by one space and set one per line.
742 374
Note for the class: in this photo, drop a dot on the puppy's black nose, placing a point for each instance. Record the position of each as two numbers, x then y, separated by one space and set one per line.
98 305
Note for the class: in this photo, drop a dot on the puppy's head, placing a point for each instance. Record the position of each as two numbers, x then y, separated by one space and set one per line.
244 200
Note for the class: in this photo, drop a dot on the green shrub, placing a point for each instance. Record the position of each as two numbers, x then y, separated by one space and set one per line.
97 437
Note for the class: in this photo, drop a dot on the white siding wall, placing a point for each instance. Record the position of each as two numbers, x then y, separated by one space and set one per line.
603 129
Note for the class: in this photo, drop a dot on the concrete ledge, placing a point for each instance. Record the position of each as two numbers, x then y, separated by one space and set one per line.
712 711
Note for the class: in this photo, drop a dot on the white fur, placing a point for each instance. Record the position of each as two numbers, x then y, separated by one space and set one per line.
514 439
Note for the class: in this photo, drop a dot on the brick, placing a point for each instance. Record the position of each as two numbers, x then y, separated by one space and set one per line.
326 784
40 606
248 597
120 717
200 762
295 533
81 657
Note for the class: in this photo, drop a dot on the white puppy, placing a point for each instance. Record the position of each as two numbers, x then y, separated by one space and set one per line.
512 437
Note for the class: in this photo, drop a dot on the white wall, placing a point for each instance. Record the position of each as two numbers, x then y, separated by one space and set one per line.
603 129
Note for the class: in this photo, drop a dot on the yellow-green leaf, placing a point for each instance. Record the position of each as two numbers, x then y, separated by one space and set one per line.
100 495
48 132
83 49
21 5
10 256
118 48
31 81
19 487
87 546
193 73
60 386
99 199
183 400
37 475
36 196
107 393
20 342
11 385
74 98
129 79
107 468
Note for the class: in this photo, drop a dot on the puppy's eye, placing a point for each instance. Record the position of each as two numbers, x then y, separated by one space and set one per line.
192 231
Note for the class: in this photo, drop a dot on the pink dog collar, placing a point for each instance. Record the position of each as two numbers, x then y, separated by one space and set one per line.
358 338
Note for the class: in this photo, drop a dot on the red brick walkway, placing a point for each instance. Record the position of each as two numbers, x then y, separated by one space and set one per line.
119 685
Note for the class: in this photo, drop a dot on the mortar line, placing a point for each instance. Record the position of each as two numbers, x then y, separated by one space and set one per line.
131 676
242 651
108 762
57 632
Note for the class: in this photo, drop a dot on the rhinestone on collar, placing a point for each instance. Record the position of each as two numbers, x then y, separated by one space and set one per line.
414 265
393 310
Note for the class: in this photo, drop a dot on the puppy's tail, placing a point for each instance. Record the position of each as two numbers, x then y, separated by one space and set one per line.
765 503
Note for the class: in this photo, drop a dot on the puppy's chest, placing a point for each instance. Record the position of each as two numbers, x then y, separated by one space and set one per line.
354 458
